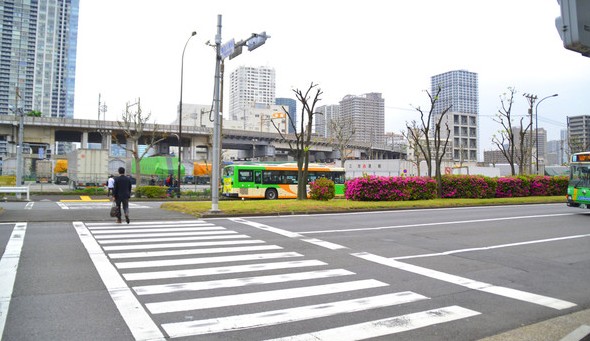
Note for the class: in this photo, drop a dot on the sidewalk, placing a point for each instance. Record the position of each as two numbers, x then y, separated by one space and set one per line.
556 329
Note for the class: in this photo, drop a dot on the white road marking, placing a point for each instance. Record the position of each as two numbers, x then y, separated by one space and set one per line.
469 283
269 318
485 248
238 282
170 239
29 205
262 296
153 230
146 254
162 234
323 243
139 276
148 223
318 242
141 225
266 228
386 326
8 268
62 206
138 320
177 245
436 223
205 260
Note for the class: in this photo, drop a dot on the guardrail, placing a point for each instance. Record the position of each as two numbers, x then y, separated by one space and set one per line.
15 190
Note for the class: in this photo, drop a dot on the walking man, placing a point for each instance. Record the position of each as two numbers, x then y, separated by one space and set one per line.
122 193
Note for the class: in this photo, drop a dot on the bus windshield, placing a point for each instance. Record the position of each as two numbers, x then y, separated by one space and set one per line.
580 176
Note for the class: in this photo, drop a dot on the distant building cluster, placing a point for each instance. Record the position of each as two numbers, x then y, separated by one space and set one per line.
37 73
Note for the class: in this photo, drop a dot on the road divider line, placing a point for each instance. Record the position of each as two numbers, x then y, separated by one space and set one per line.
485 248
8 268
438 223
469 283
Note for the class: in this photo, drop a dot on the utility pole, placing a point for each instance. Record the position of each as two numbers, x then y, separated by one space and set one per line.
531 99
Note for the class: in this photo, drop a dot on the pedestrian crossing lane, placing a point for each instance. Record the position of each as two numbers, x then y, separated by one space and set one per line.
191 266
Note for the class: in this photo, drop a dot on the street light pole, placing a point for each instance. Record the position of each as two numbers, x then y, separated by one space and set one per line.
537 127
216 123
230 50
180 113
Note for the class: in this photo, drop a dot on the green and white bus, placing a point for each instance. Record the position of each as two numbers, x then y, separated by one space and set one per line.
578 189
274 181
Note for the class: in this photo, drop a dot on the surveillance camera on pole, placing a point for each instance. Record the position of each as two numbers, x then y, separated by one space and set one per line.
573 25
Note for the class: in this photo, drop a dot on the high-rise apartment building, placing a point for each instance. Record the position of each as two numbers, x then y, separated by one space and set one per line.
322 121
459 91
291 106
578 131
250 86
38 56
367 115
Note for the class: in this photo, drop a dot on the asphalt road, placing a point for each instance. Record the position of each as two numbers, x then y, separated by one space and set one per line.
70 273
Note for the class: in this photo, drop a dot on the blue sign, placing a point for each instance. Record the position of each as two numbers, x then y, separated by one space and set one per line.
41 153
227 48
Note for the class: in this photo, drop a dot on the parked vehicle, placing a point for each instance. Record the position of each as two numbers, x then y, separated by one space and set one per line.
88 167
60 172
159 166
43 171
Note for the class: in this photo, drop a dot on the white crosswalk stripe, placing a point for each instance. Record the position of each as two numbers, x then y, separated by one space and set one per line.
169 268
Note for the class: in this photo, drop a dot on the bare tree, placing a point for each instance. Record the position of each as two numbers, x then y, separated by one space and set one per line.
133 125
300 148
504 139
576 145
414 139
341 134
434 147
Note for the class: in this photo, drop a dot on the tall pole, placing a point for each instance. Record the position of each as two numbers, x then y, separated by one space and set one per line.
531 99
537 126
19 147
180 114
216 122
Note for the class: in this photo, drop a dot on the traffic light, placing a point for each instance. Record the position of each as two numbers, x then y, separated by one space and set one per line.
574 25
257 40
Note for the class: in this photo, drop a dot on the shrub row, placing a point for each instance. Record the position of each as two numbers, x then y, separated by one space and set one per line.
382 188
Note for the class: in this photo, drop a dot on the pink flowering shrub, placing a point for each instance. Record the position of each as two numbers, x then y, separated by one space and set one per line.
549 185
322 189
467 186
513 187
384 188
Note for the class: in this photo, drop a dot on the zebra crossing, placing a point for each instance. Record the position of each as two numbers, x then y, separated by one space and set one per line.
187 278
85 205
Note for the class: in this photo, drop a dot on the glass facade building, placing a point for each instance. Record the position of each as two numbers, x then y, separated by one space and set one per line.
459 91
38 56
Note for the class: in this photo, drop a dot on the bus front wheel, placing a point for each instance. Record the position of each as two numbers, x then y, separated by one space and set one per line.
271 194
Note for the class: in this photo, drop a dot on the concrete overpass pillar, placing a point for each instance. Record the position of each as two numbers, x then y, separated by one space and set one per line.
84 139
107 141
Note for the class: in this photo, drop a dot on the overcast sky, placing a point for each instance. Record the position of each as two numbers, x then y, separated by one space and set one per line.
133 48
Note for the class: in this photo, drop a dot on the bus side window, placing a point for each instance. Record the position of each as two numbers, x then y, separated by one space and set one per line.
257 177
245 176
